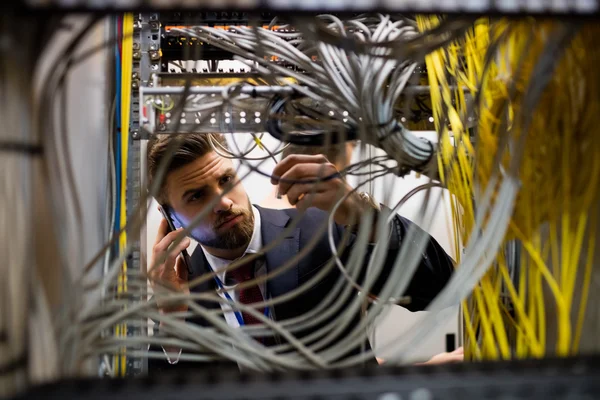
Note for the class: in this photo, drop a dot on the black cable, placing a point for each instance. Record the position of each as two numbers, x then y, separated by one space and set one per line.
273 126
422 105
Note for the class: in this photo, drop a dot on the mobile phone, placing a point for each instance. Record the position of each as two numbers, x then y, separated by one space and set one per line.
164 210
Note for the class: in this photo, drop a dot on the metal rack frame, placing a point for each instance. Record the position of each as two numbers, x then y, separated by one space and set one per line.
146 45
504 7
548 379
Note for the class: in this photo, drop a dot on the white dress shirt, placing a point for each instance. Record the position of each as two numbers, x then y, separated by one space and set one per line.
219 264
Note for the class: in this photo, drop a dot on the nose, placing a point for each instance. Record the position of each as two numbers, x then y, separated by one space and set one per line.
224 204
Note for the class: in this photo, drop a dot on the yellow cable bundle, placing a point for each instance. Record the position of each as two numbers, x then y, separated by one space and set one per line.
554 211
120 366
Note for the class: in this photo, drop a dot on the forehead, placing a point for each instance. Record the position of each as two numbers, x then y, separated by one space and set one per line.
203 171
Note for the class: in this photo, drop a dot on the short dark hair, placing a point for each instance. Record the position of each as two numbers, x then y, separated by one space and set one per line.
334 153
184 149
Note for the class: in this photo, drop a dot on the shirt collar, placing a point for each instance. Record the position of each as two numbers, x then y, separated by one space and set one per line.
219 264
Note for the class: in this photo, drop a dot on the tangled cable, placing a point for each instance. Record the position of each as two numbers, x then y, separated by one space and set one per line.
516 112
320 349
360 90
529 79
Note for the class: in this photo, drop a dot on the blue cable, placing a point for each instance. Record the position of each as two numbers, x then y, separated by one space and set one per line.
118 134
117 144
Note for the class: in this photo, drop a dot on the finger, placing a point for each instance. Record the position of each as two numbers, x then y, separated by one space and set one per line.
167 257
296 191
164 244
444 358
160 266
174 251
156 269
460 350
313 200
293 159
163 229
181 269
305 172
453 359
167 267
323 195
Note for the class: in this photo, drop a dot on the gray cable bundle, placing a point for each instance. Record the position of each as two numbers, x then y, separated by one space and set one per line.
360 89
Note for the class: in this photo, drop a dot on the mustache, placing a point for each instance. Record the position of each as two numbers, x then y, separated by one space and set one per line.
229 215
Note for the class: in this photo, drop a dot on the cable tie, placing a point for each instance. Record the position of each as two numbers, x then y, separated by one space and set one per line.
395 129
258 143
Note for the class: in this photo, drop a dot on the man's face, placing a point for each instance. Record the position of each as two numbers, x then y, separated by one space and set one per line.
229 223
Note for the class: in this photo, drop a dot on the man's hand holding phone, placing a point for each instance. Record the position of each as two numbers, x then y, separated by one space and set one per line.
169 267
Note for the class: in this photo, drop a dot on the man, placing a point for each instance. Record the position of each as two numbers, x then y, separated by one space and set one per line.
339 155
233 228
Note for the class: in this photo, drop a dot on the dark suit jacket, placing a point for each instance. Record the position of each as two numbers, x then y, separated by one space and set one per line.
432 274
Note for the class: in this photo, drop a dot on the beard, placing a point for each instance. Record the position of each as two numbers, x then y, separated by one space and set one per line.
235 237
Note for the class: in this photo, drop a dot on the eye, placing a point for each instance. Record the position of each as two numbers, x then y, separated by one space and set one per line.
196 196
226 180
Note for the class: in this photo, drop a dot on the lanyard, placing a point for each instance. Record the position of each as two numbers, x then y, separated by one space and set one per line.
238 314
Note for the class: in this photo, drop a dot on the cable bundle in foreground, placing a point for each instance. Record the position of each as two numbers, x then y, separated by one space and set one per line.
536 102
362 91
523 204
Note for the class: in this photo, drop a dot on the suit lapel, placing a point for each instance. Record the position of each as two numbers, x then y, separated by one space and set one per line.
200 267
273 224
